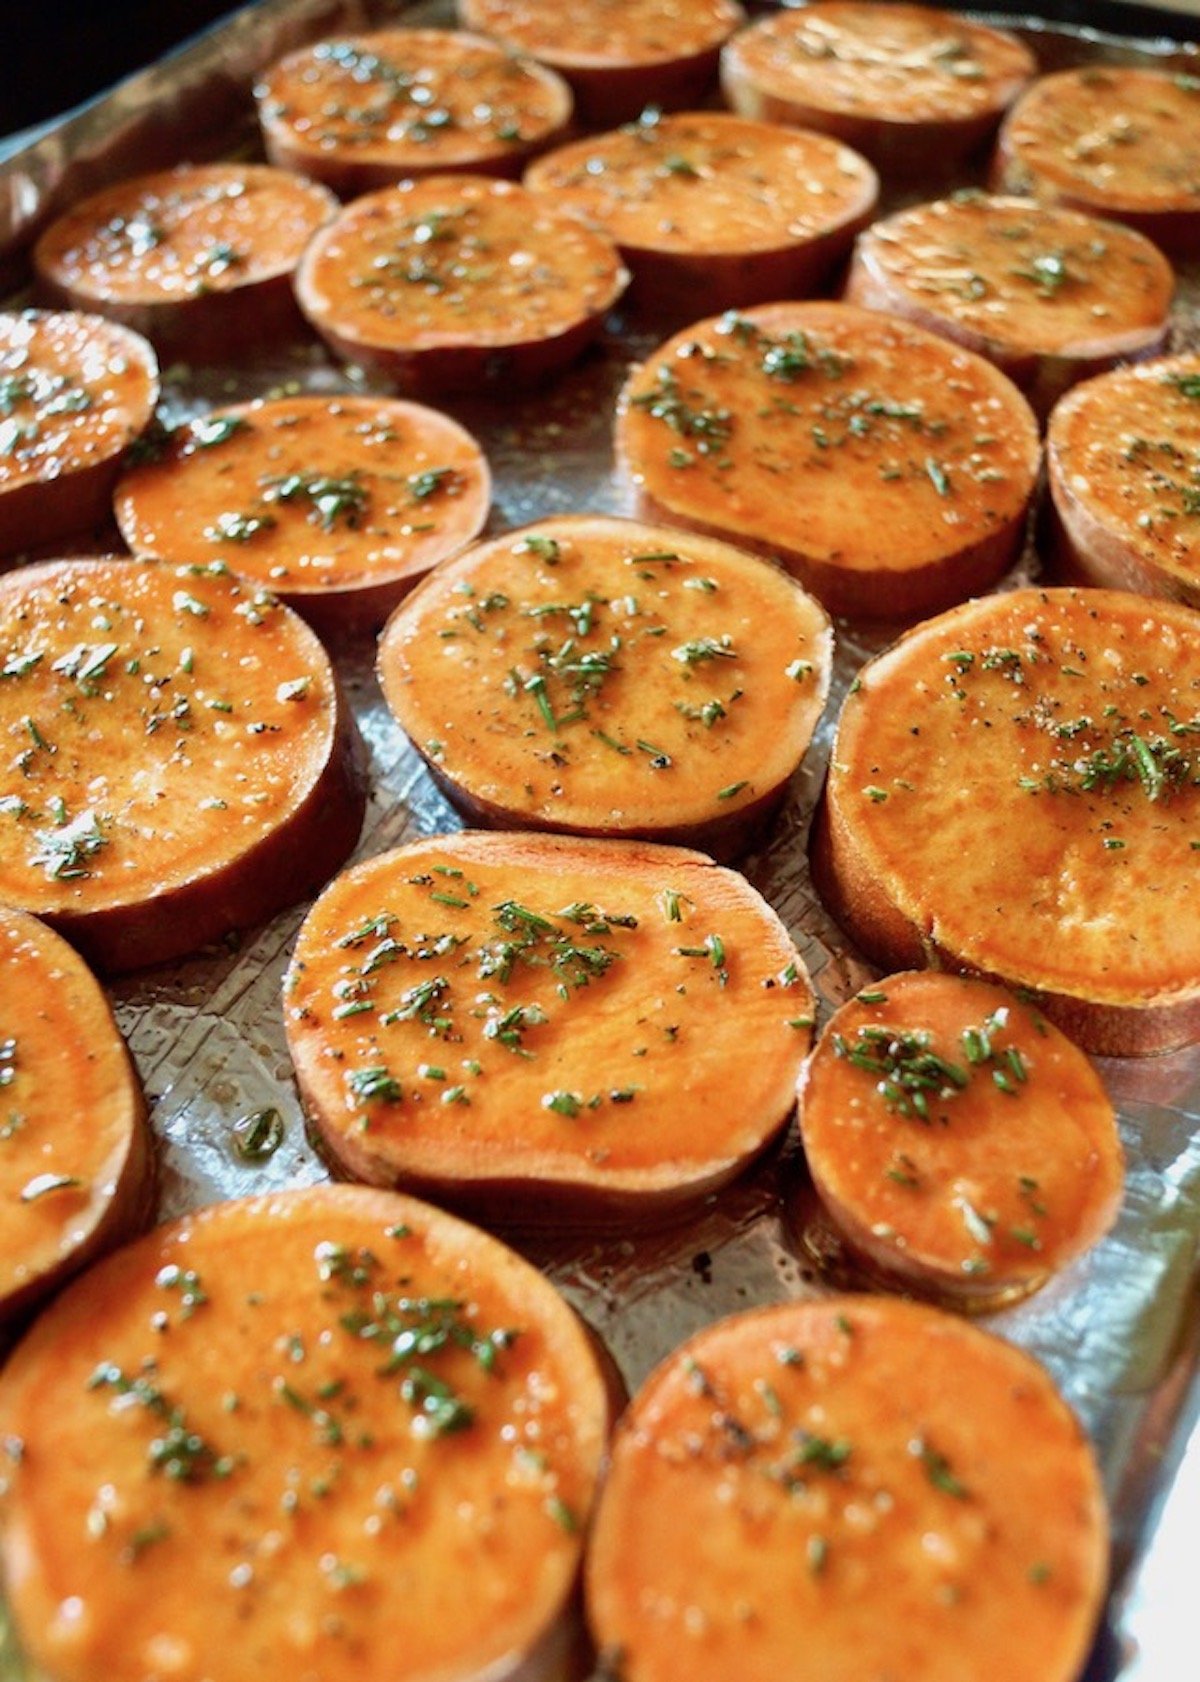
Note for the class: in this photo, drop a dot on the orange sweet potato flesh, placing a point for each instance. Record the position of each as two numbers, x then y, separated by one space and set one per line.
76 1171
197 258
618 55
180 762
1120 140
853 1488
1051 296
331 1432
964 1146
1012 791
77 391
337 505
1118 457
601 677
911 87
456 283
708 206
362 111
889 470
530 1026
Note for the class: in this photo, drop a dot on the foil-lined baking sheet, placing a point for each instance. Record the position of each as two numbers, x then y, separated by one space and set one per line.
1120 1331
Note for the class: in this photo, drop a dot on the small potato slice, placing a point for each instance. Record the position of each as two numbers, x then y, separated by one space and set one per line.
336 504
197 258
531 1026
76 1172
458 284
858 1487
364 111
708 206
600 677
1121 454
889 470
912 87
75 392
619 56
1013 791
333 1432
962 1144
1119 140
180 761
1051 296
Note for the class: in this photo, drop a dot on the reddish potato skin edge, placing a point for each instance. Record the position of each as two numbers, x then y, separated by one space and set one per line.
54 510
858 903
1177 232
215 326
283 867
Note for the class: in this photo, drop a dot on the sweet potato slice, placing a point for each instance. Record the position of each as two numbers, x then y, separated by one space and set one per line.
1051 296
197 258
601 677
457 283
618 55
1120 140
180 760
705 205
889 470
1121 455
293 1432
338 505
530 1025
75 392
76 1173
964 1146
1012 791
364 111
828 1491
912 87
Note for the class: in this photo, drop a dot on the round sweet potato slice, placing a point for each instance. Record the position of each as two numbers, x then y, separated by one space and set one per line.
705 205
338 505
1051 296
533 1026
287 1431
827 1491
76 1171
1120 457
1013 791
363 111
75 392
457 283
1120 140
197 258
888 469
913 87
600 677
619 56
180 760
964 1146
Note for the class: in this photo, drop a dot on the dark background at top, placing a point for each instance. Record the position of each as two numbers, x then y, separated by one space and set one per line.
56 53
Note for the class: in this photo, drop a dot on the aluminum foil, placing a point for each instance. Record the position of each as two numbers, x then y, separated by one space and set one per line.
1120 1330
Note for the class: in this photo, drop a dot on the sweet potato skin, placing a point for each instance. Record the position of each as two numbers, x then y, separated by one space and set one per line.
647 1016
851 1487
263 1348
